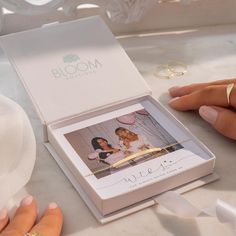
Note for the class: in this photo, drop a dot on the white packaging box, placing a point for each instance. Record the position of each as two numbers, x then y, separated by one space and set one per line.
78 76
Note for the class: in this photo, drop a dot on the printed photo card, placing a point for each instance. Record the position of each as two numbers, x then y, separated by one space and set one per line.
121 142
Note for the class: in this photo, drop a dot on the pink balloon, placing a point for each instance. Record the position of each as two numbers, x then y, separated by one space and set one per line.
127 119
142 112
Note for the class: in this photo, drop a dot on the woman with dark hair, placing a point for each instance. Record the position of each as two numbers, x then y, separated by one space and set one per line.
105 149
105 152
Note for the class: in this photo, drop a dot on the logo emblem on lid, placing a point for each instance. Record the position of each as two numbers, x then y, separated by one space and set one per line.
70 58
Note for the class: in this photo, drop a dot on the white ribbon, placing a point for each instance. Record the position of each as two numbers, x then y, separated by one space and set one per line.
178 205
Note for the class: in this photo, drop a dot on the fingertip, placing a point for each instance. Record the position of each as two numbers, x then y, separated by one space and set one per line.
52 205
174 91
53 209
3 214
173 102
225 122
28 204
26 201
220 118
173 99
4 219
28 210
51 222
24 217
209 114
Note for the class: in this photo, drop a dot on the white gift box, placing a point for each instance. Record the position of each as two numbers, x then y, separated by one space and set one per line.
78 76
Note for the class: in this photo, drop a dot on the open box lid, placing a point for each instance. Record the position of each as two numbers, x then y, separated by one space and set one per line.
73 68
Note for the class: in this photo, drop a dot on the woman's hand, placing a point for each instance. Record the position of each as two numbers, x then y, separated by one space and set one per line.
211 100
24 219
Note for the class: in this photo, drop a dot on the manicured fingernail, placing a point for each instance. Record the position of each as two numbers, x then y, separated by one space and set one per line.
3 214
208 113
173 99
174 89
27 201
52 205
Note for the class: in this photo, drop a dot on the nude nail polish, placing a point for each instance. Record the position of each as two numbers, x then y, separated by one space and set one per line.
173 99
52 205
3 214
209 114
174 89
27 201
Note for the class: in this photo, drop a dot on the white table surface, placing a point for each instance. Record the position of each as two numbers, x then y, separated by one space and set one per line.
210 54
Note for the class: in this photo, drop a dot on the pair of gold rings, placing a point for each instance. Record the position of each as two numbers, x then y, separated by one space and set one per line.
229 89
170 70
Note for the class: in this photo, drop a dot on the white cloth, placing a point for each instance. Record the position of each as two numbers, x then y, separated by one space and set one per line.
17 149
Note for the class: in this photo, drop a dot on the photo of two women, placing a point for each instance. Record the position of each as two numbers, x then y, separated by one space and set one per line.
102 145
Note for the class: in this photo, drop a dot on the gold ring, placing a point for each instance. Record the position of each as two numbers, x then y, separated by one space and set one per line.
163 72
178 68
171 70
33 234
229 89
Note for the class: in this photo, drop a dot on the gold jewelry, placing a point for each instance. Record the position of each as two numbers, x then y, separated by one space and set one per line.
170 70
178 68
162 72
229 89
133 157
125 160
33 234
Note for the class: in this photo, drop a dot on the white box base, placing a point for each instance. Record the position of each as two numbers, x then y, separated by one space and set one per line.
128 210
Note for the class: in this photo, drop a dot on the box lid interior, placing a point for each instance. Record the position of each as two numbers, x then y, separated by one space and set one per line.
73 68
